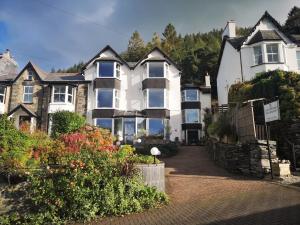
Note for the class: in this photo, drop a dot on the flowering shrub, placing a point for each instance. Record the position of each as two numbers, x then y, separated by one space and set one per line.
89 184
88 137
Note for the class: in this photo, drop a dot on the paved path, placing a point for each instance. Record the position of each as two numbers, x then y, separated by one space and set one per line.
202 193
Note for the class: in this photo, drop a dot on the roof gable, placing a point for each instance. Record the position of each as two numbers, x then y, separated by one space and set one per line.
24 108
115 57
39 72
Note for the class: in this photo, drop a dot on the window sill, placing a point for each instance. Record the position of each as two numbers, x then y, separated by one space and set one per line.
28 103
191 101
61 103
118 78
268 63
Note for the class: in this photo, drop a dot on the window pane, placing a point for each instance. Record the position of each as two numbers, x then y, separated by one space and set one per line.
28 90
70 98
192 116
2 90
106 69
104 123
118 70
156 127
257 55
105 98
141 127
70 89
272 52
1 98
118 127
156 69
156 98
191 95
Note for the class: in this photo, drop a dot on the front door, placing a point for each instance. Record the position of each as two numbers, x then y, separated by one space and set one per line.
129 130
193 137
24 123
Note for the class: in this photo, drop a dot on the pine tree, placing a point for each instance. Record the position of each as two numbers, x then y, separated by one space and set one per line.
292 24
136 48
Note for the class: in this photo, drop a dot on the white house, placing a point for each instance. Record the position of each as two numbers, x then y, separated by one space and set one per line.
131 99
266 48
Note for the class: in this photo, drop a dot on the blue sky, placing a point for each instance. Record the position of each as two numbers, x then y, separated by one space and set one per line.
59 33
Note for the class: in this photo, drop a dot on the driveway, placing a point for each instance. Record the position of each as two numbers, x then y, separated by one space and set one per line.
202 193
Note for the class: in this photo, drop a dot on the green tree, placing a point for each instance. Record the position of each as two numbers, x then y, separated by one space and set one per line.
73 69
155 42
136 48
292 24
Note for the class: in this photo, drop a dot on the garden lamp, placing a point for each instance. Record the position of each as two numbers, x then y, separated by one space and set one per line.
155 152
139 140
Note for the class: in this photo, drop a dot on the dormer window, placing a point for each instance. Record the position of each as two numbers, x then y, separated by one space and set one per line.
30 75
272 53
62 94
258 56
156 69
109 69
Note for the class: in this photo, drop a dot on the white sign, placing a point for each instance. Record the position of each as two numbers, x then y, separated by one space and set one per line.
272 111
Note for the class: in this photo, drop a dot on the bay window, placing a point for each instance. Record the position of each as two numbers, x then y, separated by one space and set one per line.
156 127
109 69
118 127
108 98
105 123
156 69
2 94
62 94
272 53
298 59
28 94
191 116
258 56
156 98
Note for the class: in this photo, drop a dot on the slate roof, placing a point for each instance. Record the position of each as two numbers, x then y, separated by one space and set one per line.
8 77
61 77
264 35
237 42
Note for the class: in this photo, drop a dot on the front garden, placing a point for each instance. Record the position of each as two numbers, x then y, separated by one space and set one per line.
75 175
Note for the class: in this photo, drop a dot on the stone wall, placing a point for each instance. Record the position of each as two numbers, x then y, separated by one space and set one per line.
81 99
248 159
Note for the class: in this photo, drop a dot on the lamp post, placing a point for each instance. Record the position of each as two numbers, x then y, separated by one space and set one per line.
155 152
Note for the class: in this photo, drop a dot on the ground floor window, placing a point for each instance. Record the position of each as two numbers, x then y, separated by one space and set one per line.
2 94
156 127
106 123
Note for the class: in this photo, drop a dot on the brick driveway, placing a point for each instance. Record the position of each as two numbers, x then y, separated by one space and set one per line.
202 193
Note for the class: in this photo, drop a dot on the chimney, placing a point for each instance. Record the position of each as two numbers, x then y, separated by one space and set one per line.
230 29
6 54
207 80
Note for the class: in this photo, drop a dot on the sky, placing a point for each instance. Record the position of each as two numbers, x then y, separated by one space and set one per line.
58 33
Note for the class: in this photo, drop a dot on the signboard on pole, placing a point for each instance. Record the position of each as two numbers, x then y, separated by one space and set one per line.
272 111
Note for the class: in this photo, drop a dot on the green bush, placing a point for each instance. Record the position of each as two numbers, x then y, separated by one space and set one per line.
64 122
89 184
281 84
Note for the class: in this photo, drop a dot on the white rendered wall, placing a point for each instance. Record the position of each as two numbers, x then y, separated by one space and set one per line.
229 72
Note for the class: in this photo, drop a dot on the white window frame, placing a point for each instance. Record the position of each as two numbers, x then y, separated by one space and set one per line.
298 59
184 96
112 123
254 55
113 100
147 99
272 53
27 93
114 70
66 94
164 69
185 115
3 94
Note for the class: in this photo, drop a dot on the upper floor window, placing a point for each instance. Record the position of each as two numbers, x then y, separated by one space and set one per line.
2 94
62 94
272 53
190 95
156 98
156 69
105 98
258 56
109 69
298 59
28 94
191 116
30 75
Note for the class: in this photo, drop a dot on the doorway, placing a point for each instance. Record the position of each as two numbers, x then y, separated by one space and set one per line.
192 137
129 130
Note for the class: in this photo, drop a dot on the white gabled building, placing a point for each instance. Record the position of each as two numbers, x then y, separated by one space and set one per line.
266 48
133 98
